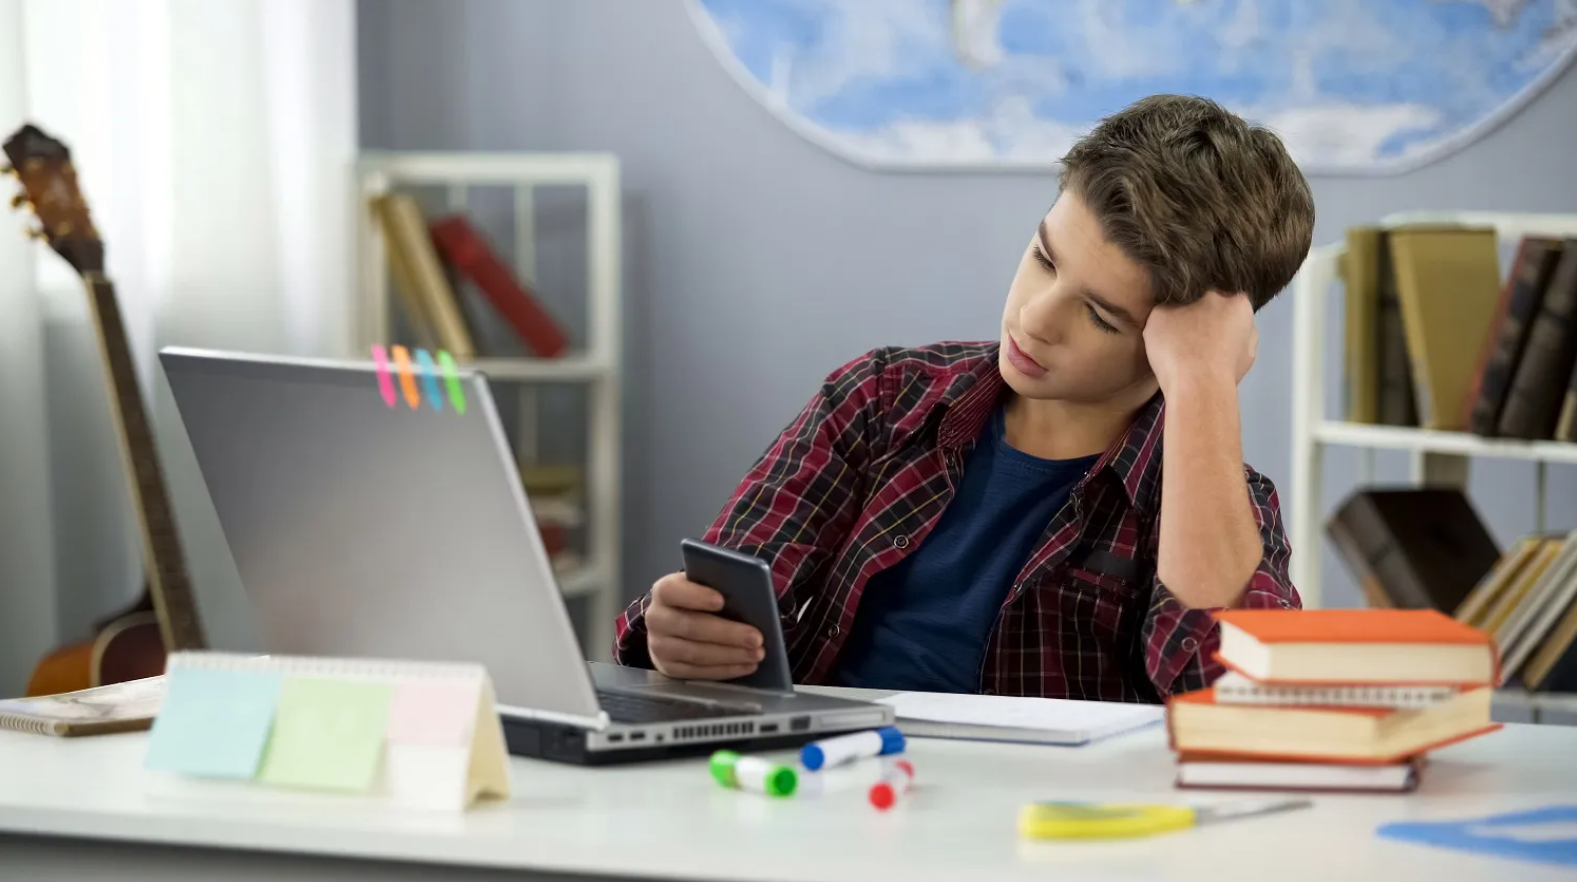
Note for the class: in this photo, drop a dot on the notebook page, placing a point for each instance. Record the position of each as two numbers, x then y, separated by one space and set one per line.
1079 720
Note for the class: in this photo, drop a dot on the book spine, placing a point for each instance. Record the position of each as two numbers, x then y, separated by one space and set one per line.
1537 388
1566 427
432 286
1525 287
1398 405
469 253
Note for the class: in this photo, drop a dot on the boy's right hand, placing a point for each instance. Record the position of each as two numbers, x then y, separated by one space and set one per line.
688 640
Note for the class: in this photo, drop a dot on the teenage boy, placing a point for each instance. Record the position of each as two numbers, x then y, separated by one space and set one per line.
1003 517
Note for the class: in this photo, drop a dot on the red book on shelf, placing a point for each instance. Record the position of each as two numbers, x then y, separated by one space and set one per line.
465 249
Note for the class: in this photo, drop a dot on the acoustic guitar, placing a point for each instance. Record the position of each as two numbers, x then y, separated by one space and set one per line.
134 642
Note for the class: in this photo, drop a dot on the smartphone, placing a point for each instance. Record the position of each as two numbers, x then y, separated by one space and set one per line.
746 585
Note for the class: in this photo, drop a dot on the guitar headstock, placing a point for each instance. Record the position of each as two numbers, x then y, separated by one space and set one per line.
49 189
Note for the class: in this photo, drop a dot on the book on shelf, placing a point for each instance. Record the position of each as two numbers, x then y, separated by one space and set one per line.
1474 609
1566 425
1360 273
1519 301
1528 604
1534 399
1379 374
1448 282
1413 547
1437 337
468 252
429 300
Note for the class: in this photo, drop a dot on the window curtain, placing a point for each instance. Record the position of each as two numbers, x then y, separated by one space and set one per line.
214 141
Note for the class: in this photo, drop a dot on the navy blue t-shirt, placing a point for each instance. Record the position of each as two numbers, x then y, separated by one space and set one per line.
922 625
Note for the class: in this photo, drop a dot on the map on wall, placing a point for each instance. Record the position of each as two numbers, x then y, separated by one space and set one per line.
1351 85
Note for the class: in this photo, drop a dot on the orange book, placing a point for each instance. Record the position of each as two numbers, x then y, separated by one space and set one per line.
1198 726
1357 647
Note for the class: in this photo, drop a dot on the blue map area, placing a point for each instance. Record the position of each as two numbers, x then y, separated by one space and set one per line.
1351 85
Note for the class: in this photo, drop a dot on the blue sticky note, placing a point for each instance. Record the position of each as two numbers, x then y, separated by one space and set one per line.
213 724
1546 835
430 379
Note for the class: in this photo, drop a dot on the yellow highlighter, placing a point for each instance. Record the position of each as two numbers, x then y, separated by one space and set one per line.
1089 820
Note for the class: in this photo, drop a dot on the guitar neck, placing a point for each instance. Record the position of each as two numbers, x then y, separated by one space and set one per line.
163 562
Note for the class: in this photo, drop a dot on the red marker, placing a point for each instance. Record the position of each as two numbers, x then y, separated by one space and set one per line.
895 783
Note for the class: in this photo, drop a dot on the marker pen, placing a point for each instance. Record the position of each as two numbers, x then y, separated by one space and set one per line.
894 785
753 773
829 752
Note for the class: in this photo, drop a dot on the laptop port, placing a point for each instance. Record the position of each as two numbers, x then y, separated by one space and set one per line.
768 728
799 724
615 737
637 736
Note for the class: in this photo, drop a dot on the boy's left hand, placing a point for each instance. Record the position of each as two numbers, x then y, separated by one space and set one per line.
1213 338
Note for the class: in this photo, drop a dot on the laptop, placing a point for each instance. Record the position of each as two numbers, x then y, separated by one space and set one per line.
367 524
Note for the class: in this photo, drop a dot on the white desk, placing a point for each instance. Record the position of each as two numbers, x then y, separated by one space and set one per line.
77 809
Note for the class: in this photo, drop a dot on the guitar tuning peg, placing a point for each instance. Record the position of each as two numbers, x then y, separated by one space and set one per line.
20 200
9 170
34 234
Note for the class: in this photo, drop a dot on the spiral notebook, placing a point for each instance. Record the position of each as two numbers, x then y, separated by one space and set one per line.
118 707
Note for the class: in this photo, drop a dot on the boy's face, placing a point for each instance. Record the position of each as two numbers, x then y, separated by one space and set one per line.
1073 326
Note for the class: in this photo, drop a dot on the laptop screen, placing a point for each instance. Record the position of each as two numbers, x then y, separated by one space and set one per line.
372 525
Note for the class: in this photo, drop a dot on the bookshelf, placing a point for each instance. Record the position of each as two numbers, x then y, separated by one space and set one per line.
594 364
1436 457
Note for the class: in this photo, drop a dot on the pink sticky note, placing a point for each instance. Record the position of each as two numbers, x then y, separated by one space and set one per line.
380 361
437 713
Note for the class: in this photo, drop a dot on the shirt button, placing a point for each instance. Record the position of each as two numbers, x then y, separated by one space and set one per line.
900 541
834 631
1190 644
1285 603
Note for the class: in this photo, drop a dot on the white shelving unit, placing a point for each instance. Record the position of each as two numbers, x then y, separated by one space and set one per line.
597 364
1437 457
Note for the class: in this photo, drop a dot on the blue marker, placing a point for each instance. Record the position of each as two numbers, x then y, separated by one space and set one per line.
831 752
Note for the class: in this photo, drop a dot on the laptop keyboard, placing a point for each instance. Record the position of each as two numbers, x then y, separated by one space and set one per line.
623 707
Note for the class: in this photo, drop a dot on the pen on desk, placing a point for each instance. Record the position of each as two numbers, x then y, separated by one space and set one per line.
829 752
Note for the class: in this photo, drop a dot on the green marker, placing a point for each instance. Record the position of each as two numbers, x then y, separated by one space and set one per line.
753 773
452 381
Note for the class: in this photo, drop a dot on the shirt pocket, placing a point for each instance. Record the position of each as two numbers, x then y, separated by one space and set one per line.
1103 604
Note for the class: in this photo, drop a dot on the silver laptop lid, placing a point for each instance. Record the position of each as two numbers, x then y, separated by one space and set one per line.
372 517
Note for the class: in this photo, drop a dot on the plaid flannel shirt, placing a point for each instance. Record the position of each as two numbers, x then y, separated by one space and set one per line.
862 475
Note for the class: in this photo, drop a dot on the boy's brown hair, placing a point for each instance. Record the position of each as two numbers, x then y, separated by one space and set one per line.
1197 195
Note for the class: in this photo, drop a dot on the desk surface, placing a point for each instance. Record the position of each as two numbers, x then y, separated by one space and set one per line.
669 820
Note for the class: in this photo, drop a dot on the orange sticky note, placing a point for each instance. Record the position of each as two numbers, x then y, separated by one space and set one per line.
402 363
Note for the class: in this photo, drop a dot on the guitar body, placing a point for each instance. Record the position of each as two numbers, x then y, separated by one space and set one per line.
127 647
135 642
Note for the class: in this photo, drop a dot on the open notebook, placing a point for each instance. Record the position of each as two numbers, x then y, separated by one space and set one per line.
1003 718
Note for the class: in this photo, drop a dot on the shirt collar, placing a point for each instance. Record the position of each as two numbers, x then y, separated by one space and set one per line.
1134 459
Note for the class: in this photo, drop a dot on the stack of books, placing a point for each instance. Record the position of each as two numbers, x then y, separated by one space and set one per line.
1333 700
